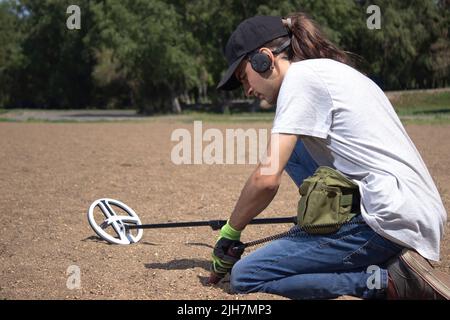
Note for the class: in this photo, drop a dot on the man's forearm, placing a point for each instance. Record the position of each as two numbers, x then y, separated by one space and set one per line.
256 195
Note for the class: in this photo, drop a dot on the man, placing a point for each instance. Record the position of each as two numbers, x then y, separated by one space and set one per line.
329 114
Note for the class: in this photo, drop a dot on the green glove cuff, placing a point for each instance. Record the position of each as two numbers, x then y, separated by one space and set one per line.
229 232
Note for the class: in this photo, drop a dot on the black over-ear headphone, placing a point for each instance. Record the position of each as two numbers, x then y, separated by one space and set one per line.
261 62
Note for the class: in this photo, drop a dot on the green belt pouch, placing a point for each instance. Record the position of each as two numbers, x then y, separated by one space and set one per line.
328 200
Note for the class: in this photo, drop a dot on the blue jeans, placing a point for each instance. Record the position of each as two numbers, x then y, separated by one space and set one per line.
303 266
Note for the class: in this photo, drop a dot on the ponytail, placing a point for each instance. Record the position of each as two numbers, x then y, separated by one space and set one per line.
308 41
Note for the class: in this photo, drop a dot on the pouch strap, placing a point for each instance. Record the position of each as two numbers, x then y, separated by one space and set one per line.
346 199
352 199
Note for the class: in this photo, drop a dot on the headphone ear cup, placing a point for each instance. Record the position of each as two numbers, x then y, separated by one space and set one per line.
260 62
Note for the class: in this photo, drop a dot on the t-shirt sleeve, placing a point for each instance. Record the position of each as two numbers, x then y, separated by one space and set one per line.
304 105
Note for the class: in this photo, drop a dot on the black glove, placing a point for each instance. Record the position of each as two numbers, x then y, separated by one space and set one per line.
226 253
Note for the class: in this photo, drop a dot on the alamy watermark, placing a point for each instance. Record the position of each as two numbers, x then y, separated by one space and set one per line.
374 280
239 146
73 22
374 20
74 277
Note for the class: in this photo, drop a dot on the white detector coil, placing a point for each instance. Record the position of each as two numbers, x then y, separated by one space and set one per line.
117 222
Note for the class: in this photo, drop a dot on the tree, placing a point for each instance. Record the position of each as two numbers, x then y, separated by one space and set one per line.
11 57
56 71
409 50
149 53
155 51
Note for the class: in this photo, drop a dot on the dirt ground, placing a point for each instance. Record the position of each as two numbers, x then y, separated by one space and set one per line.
50 173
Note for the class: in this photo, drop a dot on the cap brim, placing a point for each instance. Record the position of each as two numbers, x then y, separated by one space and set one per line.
229 80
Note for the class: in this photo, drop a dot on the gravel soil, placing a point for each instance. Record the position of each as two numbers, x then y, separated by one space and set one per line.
52 172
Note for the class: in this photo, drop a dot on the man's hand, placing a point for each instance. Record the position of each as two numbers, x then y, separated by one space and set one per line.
227 252
256 195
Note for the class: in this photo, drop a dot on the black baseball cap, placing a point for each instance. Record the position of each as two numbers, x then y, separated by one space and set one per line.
250 35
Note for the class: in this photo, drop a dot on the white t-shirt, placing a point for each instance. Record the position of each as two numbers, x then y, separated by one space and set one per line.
346 122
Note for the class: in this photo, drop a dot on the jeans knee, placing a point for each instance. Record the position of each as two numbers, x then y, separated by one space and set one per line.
235 278
241 280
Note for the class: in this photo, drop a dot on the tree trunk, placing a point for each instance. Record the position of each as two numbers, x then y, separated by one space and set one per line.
176 107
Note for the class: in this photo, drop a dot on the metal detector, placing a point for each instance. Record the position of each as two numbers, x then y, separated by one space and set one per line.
122 226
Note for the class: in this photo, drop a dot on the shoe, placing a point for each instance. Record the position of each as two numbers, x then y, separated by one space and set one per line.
412 277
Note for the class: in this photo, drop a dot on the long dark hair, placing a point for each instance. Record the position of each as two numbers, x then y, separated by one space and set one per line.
308 41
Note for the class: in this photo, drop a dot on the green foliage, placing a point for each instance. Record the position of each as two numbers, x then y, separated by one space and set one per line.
56 69
411 49
422 103
148 53
11 56
155 52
